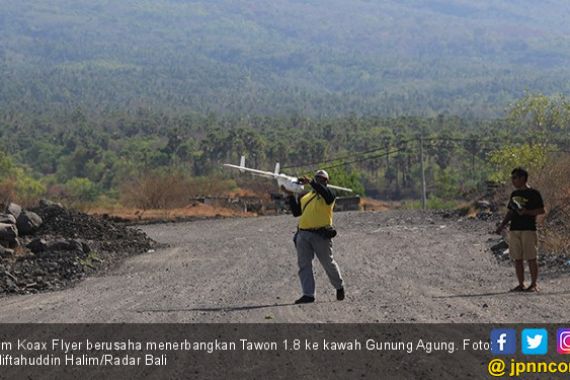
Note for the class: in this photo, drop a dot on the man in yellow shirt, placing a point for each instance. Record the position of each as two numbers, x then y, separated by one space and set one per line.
313 237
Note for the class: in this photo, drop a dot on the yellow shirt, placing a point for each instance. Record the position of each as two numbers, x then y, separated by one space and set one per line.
317 213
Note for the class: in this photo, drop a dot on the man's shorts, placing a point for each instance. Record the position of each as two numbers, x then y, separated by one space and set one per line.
523 245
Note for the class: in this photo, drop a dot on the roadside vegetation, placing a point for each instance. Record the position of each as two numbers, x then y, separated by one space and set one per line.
151 161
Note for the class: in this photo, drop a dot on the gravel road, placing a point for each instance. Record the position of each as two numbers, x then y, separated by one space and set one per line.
399 266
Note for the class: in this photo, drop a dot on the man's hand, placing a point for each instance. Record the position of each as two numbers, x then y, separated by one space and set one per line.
304 180
500 229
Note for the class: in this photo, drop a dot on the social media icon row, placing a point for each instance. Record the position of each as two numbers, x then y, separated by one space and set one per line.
533 341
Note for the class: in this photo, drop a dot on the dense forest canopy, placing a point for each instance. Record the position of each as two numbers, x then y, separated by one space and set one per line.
98 96
379 156
318 58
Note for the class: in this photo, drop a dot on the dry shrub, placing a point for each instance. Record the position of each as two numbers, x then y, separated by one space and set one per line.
553 181
170 190
369 204
210 186
10 191
554 241
7 191
155 191
554 184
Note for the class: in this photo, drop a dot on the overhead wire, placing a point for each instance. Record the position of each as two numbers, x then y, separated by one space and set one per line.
365 158
352 155
484 144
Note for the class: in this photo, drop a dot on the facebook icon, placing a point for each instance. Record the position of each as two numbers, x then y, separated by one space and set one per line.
503 341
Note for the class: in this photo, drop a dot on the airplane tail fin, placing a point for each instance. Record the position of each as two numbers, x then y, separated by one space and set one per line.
242 163
277 168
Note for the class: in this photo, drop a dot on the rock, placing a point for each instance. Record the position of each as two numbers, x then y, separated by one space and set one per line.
483 205
7 219
26 256
8 235
484 215
37 245
48 203
85 247
65 245
28 222
8 231
500 246
11 286
6 252
14 210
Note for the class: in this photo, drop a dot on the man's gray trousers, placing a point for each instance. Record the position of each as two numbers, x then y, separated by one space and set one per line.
308 245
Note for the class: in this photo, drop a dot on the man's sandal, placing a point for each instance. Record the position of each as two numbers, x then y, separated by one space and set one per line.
532 289
518 288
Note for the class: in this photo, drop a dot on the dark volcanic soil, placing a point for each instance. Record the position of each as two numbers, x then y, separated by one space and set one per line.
86 245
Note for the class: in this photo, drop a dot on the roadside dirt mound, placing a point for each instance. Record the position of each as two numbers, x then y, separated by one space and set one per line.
66 246
193 211
370 204
100 233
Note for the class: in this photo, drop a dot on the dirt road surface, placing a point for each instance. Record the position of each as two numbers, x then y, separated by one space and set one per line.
399 266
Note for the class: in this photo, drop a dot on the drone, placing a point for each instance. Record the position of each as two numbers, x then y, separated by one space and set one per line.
288 182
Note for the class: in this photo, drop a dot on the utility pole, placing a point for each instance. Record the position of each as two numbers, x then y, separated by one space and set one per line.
424 196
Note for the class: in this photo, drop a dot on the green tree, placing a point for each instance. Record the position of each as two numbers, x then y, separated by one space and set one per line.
531 157
18 184
82 190
346 178
540 114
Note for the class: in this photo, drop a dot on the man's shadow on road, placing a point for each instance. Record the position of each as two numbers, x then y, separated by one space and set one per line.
214 309
221 308
503 293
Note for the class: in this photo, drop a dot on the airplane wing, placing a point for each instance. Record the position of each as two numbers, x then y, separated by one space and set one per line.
261 173
340 188
282 179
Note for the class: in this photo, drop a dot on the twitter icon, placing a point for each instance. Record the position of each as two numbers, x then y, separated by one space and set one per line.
534 341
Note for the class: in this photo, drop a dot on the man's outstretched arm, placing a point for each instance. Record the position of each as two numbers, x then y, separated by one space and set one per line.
504 223
327 193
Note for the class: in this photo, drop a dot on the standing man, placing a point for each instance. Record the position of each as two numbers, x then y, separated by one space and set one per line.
524 205
313 237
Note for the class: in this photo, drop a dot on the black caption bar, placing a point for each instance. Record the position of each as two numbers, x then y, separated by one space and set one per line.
212 351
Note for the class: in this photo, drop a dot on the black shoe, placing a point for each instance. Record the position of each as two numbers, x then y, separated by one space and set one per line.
340 294
305 299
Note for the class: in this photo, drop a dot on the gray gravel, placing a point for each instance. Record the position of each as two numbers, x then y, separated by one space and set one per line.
399 266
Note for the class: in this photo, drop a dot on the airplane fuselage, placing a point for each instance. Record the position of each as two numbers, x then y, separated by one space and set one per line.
290 184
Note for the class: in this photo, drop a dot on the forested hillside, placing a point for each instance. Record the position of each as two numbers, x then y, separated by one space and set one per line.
97 97
81 158
309 57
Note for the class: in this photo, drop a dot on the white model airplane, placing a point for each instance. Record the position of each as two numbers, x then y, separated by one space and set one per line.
290 183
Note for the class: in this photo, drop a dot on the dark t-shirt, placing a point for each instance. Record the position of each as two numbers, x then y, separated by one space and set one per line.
529 199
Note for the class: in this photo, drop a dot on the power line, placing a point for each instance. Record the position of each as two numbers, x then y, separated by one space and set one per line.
365 158
382 148
352 155
483 144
